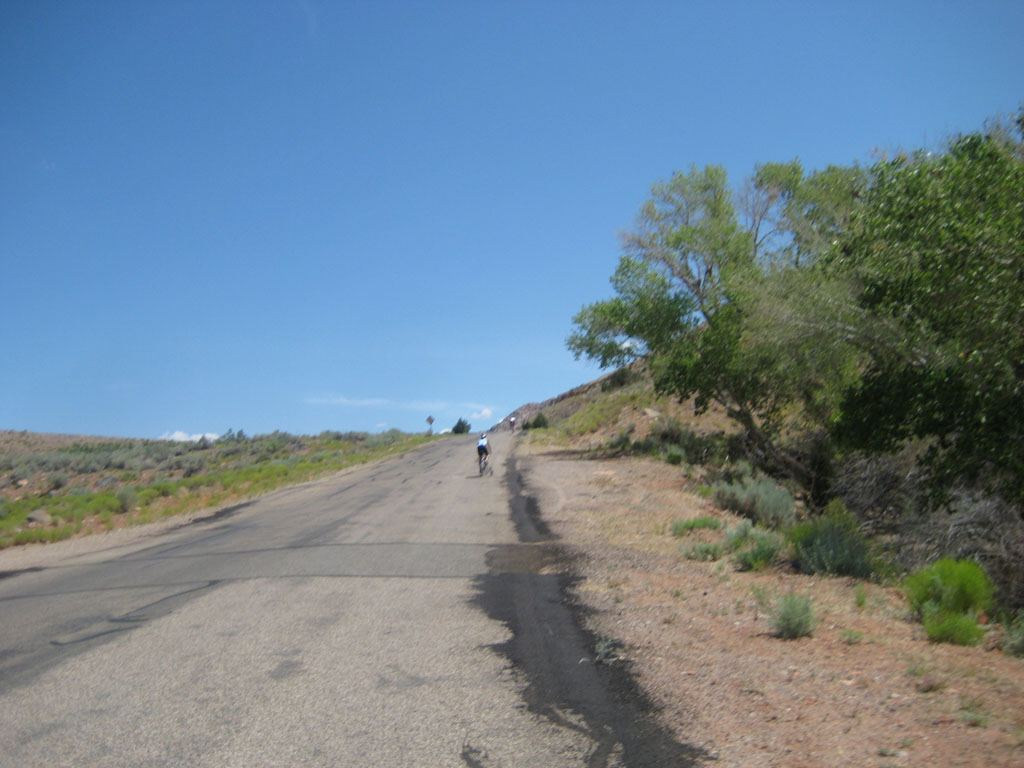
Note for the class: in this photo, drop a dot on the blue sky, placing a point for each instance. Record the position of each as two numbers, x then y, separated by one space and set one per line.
307 215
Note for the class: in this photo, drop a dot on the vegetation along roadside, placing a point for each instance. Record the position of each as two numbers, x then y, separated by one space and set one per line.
62 486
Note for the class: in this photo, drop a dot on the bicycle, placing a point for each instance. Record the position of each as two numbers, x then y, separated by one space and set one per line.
482 461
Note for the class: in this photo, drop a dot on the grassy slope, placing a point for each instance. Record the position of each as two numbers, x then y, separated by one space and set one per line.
53 487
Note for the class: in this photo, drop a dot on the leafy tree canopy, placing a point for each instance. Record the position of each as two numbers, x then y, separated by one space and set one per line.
937 254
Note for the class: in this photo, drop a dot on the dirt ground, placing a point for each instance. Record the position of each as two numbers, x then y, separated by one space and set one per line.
866 689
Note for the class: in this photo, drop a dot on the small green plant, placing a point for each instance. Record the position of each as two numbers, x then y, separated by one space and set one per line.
948 596
832 544
738 536
793 616
127 498
972 712
622 442
860 596
851 636
620 378
606 649
762 553
682 527
762 500
949 586
704 551
540 421
762 598
461 427
955 628
1014 642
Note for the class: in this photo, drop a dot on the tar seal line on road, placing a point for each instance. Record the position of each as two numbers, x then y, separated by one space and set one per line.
565 681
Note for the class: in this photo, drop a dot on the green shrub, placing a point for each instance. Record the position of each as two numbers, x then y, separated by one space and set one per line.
955 628
761 500
619 379
622 442
127 498
103 503
851 636
677 444
860 596
704 551
147 496
739 535
1014 642
540 421
461 427
793 616
949 586
763 552
832 544
682 527
947 596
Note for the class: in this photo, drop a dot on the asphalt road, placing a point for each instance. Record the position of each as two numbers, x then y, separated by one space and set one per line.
359 620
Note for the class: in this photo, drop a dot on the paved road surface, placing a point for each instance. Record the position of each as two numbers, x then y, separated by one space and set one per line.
339 623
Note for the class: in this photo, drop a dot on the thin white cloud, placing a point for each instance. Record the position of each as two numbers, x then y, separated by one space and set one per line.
184 437
435 407
348 401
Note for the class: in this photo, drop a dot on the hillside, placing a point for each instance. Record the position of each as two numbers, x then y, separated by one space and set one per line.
615 406
672 586
54 487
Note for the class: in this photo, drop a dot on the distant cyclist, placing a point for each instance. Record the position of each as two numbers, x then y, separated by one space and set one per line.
483 448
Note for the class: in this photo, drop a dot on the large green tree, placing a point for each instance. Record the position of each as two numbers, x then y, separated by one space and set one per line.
936 257
680 289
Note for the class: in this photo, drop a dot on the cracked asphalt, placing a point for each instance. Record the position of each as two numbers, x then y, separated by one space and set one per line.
363 619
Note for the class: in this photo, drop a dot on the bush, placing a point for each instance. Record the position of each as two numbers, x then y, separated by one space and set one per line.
949 586
619 379
955 628
947 597
677 443
761 500
739 535
540 421
832 544
793 616
1014 642
703 551
104 503
765 549
127 498
682 527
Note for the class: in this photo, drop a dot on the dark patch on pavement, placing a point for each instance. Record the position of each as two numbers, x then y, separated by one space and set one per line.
8 574
220 514
528 589
525 510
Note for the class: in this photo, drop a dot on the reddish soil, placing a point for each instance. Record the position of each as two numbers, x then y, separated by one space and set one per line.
867 688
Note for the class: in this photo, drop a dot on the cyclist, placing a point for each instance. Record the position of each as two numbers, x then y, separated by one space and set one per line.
483 448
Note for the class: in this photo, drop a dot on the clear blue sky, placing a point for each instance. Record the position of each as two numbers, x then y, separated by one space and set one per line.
308 215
